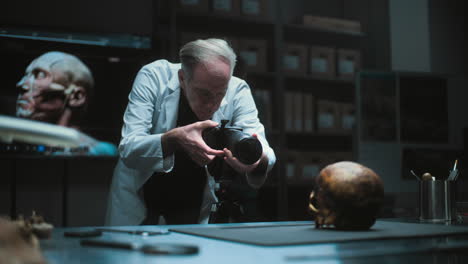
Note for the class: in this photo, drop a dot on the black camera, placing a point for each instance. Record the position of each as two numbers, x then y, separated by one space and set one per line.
247 149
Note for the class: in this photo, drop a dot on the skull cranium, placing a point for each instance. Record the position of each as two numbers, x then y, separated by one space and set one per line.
347 195
53 82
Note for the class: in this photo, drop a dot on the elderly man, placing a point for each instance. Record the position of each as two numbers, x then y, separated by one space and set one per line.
162 173
55 89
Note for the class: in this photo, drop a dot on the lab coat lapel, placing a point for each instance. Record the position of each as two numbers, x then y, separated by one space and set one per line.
170 106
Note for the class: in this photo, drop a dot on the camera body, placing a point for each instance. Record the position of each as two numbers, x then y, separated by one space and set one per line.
247 149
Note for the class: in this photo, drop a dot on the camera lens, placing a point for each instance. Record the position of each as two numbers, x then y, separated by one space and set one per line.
248 150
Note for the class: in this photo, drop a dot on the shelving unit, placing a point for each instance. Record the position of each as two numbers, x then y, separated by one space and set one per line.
275 80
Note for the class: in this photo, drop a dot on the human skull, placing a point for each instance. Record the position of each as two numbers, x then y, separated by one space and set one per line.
18 244
347 195
49 83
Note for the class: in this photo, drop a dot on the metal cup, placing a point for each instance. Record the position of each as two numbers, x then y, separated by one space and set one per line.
437 201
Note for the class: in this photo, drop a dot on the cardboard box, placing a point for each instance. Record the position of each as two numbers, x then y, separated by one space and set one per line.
290 169
295 58
348 63
254 8
322 62
226 7
347 117
328 114
197 6
333 24
253 52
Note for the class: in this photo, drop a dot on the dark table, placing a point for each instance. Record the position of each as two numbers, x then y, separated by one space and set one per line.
429 249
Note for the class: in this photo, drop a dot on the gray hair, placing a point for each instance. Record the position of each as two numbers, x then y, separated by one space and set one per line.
204 50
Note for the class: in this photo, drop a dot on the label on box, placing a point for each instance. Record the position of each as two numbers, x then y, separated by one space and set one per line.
326 120
318 65
346 67
222 5
189 2
308 125
310 171
290 170
251 7
291 62
347 121
250 57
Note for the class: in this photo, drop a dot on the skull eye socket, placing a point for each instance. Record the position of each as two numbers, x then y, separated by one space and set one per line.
313 202
39 74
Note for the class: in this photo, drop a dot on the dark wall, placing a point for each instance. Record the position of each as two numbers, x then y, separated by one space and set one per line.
449 44
106 16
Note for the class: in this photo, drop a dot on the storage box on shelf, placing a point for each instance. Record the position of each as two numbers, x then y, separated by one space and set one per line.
197 6
328 114
347 116
295 58
254 8
349 62
253 52
321 62
226 7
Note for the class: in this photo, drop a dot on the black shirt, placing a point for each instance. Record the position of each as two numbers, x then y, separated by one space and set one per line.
177 195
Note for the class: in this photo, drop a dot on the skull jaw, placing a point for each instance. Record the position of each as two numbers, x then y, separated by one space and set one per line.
328 218
325 219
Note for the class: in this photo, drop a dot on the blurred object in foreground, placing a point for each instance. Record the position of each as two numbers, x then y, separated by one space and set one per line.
47 138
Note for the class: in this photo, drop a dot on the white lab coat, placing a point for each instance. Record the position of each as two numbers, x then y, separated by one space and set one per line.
151 111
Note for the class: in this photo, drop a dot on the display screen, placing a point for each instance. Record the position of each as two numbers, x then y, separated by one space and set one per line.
30 94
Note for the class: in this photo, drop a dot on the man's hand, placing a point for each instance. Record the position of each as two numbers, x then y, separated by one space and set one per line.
189 139
236 164
256 173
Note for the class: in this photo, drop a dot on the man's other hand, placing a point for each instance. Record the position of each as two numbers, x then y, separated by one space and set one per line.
189 138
